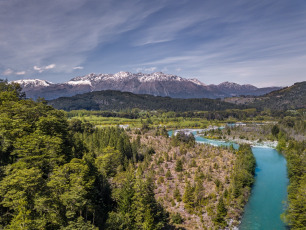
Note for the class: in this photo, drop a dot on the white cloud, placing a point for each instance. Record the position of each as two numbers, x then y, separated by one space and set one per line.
52 66
39 69
78 67
43 68
8 72
21 73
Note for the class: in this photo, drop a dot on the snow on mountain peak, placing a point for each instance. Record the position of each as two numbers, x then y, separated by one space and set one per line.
79 82
159 76
122 76
33 83
196 81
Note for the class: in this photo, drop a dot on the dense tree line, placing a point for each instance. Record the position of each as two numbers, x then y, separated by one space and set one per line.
239 114
243 177
296 163
116 100
129 113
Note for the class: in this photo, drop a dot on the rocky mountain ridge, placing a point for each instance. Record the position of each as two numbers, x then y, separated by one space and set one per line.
157 84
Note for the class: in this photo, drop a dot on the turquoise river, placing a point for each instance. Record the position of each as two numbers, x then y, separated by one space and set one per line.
269 192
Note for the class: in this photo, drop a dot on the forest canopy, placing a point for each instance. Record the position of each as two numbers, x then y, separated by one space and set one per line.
51 179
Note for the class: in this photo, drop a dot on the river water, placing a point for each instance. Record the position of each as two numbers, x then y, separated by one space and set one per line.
265 205
269 191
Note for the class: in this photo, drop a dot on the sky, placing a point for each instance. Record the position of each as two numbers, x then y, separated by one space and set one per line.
260 42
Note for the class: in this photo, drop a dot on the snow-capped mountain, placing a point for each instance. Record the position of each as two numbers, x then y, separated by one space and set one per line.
196 81
158 84
32 83
124 76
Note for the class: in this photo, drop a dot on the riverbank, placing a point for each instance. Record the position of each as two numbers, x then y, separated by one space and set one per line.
270 144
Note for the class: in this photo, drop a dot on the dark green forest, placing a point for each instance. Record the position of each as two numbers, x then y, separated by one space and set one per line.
50 179
288 98
116 100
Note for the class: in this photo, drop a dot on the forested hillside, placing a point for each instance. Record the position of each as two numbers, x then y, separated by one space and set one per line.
48 181
51 179
292 97
116 100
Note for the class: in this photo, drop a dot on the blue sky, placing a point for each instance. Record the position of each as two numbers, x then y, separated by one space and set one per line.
255 42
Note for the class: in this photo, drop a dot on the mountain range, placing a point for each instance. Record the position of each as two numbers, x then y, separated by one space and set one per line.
157 84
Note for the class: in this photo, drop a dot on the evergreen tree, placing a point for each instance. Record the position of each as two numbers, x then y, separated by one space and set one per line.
188 197
177 194
275 130
147 212
168 174
108 162
199 192
179 165
221 213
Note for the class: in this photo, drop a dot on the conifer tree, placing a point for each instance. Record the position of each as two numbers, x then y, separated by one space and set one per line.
177 194
199 192
188 197
179 165
221 213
